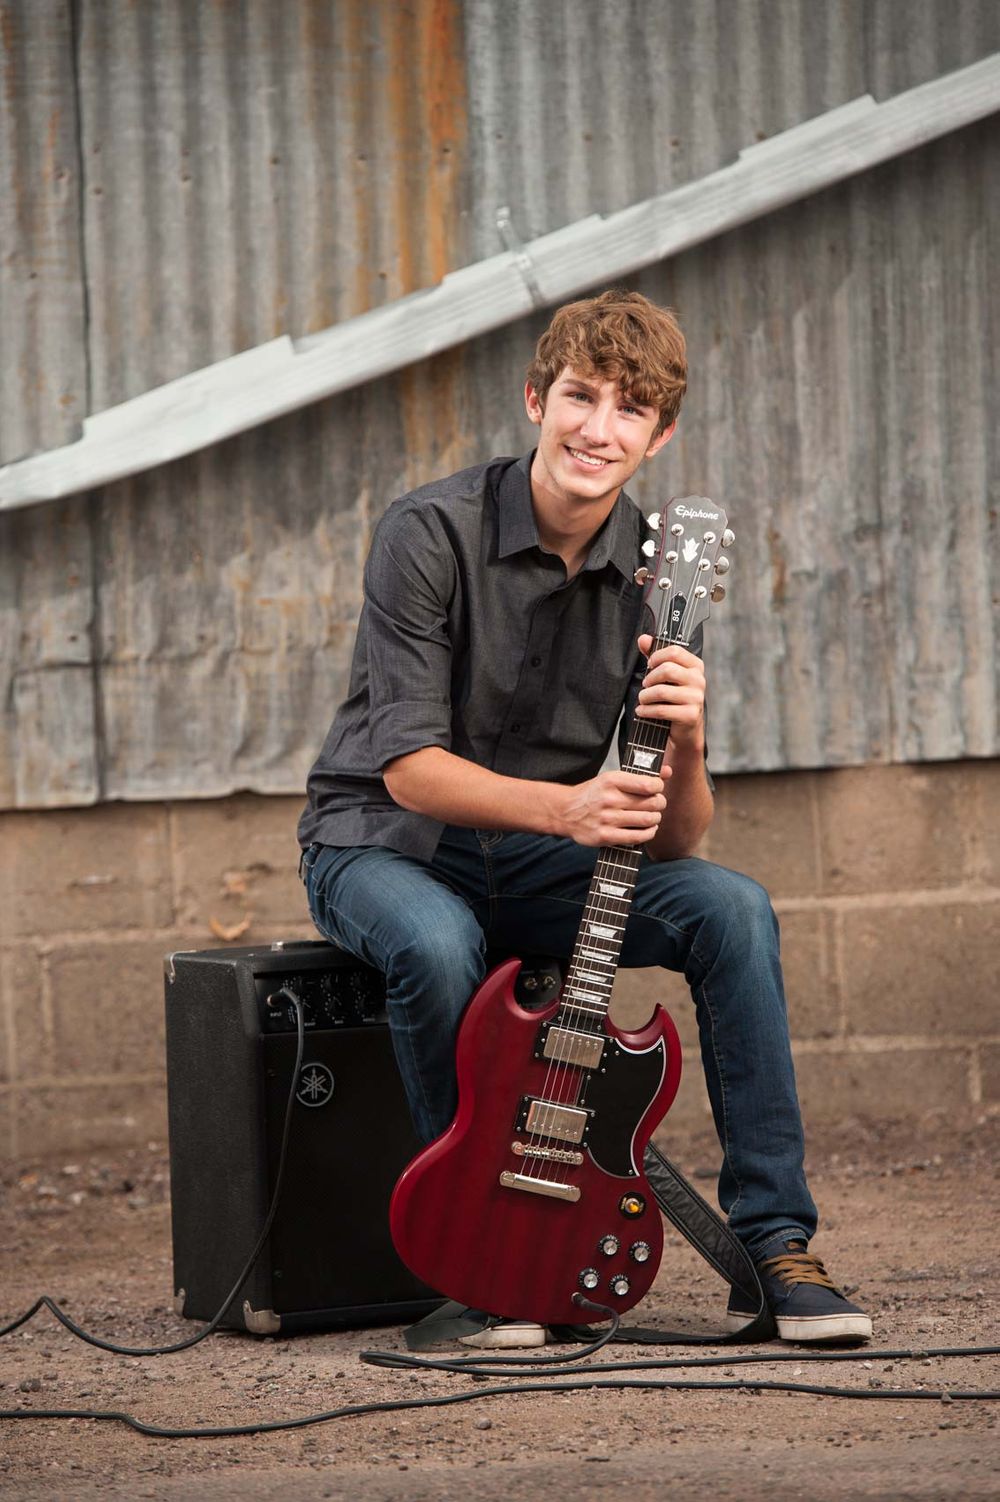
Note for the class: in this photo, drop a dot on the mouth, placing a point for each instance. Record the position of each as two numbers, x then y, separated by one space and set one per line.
592 461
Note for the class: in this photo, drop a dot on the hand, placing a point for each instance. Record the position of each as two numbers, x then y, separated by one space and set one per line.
674 689
615 808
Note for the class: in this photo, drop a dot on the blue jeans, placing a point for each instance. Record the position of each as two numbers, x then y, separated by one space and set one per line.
427 927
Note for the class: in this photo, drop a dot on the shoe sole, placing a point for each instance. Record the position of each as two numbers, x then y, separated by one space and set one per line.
509 1337
824 1327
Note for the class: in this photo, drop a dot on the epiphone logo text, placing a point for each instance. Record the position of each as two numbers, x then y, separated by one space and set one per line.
707 516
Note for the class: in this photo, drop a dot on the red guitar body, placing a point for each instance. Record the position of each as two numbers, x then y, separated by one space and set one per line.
507 1219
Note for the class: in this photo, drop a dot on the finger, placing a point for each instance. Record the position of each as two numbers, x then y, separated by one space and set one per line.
625 836
675 653
637 783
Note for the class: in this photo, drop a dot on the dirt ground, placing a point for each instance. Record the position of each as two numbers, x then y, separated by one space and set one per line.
908 1217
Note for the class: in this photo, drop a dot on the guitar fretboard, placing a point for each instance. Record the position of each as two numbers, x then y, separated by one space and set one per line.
586 993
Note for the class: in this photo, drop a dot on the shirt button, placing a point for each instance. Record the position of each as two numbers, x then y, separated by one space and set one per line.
536 662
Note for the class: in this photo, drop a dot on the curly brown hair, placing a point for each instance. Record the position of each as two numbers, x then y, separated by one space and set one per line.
620 336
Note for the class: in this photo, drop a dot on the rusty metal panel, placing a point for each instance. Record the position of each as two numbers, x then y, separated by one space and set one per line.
48 734
43 372
251 170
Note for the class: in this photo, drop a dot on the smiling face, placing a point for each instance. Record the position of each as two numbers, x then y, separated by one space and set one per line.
592 439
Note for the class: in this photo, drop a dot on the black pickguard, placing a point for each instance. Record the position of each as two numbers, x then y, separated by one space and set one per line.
619 1094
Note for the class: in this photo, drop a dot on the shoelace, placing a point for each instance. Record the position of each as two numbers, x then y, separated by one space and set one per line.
798 1267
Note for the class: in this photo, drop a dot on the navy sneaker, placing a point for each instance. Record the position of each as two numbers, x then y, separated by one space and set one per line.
805 1301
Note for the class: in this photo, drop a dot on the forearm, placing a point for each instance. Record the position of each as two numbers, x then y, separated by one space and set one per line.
447 787
614 808
690 805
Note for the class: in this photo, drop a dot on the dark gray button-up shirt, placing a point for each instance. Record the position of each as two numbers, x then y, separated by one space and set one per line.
472 638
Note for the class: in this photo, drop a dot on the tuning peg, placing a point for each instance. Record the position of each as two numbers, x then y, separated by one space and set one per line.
654 520
722 567
641 575
718 593
728 537
649 547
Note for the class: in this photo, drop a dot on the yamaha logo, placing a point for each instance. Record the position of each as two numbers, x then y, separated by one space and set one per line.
315 1085
705 516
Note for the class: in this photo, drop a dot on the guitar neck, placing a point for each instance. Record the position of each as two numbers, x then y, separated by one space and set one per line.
586 994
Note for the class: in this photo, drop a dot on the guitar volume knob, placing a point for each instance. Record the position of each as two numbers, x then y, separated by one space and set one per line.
589 1278
620 1285
608 1245
639 1251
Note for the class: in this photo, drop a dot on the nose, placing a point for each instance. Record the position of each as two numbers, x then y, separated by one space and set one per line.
597 426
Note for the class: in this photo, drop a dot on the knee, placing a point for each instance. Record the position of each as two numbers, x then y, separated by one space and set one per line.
447 955
741 912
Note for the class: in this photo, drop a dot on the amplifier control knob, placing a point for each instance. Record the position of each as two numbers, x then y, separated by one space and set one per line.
589 1278
639 1251
620 1286
608 1245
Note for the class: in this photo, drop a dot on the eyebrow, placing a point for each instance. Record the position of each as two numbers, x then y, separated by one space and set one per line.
594 386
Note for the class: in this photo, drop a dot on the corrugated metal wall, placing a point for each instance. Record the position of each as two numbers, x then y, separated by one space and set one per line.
184 180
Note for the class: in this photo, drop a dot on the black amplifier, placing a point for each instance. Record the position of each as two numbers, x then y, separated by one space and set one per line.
329 1260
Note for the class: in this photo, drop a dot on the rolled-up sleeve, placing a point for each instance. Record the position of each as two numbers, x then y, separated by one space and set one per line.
408 585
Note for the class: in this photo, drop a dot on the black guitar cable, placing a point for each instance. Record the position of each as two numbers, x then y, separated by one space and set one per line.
479 1367
213 1324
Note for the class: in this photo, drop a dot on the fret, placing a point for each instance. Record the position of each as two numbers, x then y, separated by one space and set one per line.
645 761
572 1009
583 995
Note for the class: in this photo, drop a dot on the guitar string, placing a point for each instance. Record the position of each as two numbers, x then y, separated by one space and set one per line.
562 1083
561 1073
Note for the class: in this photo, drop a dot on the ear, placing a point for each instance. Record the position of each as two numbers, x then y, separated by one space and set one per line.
532 405
661 439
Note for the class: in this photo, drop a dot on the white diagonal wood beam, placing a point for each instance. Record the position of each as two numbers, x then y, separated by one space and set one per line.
264 383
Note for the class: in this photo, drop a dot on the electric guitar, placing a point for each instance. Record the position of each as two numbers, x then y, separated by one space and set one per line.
536 1194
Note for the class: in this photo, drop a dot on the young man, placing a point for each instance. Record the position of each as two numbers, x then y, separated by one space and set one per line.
458 800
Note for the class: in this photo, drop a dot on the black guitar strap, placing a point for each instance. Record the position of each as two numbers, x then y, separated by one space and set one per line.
695 1219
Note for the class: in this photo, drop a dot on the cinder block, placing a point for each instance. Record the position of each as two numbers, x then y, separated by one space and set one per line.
690 1111
984 817
894 829
891 1084
82 869
237 858
923 969
74 1119
989 1070
765 826
26 1037
107 1005
637 992
811 989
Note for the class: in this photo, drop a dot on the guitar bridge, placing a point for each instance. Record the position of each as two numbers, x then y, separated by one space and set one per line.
540 1186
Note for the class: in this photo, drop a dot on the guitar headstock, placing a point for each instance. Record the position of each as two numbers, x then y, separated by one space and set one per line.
679 585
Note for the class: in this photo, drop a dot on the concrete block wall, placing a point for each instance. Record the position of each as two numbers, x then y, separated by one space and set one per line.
886 880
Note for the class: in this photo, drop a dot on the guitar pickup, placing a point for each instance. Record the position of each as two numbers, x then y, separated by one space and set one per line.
543 1118
568 1046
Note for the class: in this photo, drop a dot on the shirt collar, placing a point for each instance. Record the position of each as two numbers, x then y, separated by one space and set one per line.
615 543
